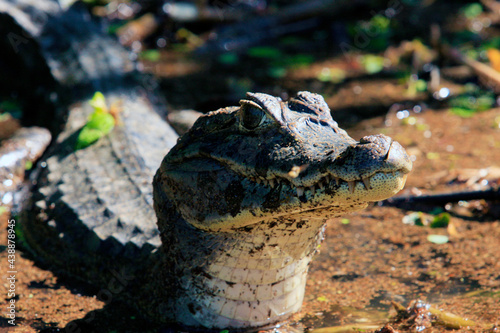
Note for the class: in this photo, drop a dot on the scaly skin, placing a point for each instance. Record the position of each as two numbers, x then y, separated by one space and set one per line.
252 188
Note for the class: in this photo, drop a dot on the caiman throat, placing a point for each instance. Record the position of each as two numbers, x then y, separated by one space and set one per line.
243 198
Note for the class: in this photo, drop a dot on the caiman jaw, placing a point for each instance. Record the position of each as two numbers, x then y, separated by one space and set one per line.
328 181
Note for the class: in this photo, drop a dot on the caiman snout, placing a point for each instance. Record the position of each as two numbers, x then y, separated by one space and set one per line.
374 153
394 155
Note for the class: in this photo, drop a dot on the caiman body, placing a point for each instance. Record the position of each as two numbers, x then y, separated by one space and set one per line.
241 200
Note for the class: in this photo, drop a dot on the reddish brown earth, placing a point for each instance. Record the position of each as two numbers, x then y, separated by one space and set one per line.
363 264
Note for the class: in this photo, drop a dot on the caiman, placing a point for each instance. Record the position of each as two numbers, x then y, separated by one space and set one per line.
222 235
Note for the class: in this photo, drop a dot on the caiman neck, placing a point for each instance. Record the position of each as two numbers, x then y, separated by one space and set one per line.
248 277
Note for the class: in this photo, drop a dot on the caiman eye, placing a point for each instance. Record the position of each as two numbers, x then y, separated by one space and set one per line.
251 117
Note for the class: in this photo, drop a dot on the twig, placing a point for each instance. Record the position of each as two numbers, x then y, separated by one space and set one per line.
451 320
346 328
443 198
441 318
482 70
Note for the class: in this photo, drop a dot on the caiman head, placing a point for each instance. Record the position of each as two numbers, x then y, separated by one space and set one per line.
240 165
242 201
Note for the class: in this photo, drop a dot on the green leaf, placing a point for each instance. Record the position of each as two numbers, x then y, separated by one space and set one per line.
98 102
381 22
485 102
87 136
103 122
441 221
151 55
345 221
298 60
376 32
9 105
372 63
277 72
421 85
472 10
100 123
473 101
228 58
438 239
267 52
461 112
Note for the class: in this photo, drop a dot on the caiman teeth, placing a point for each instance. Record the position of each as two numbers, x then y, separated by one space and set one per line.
300 191
366 181
321 184
352 186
